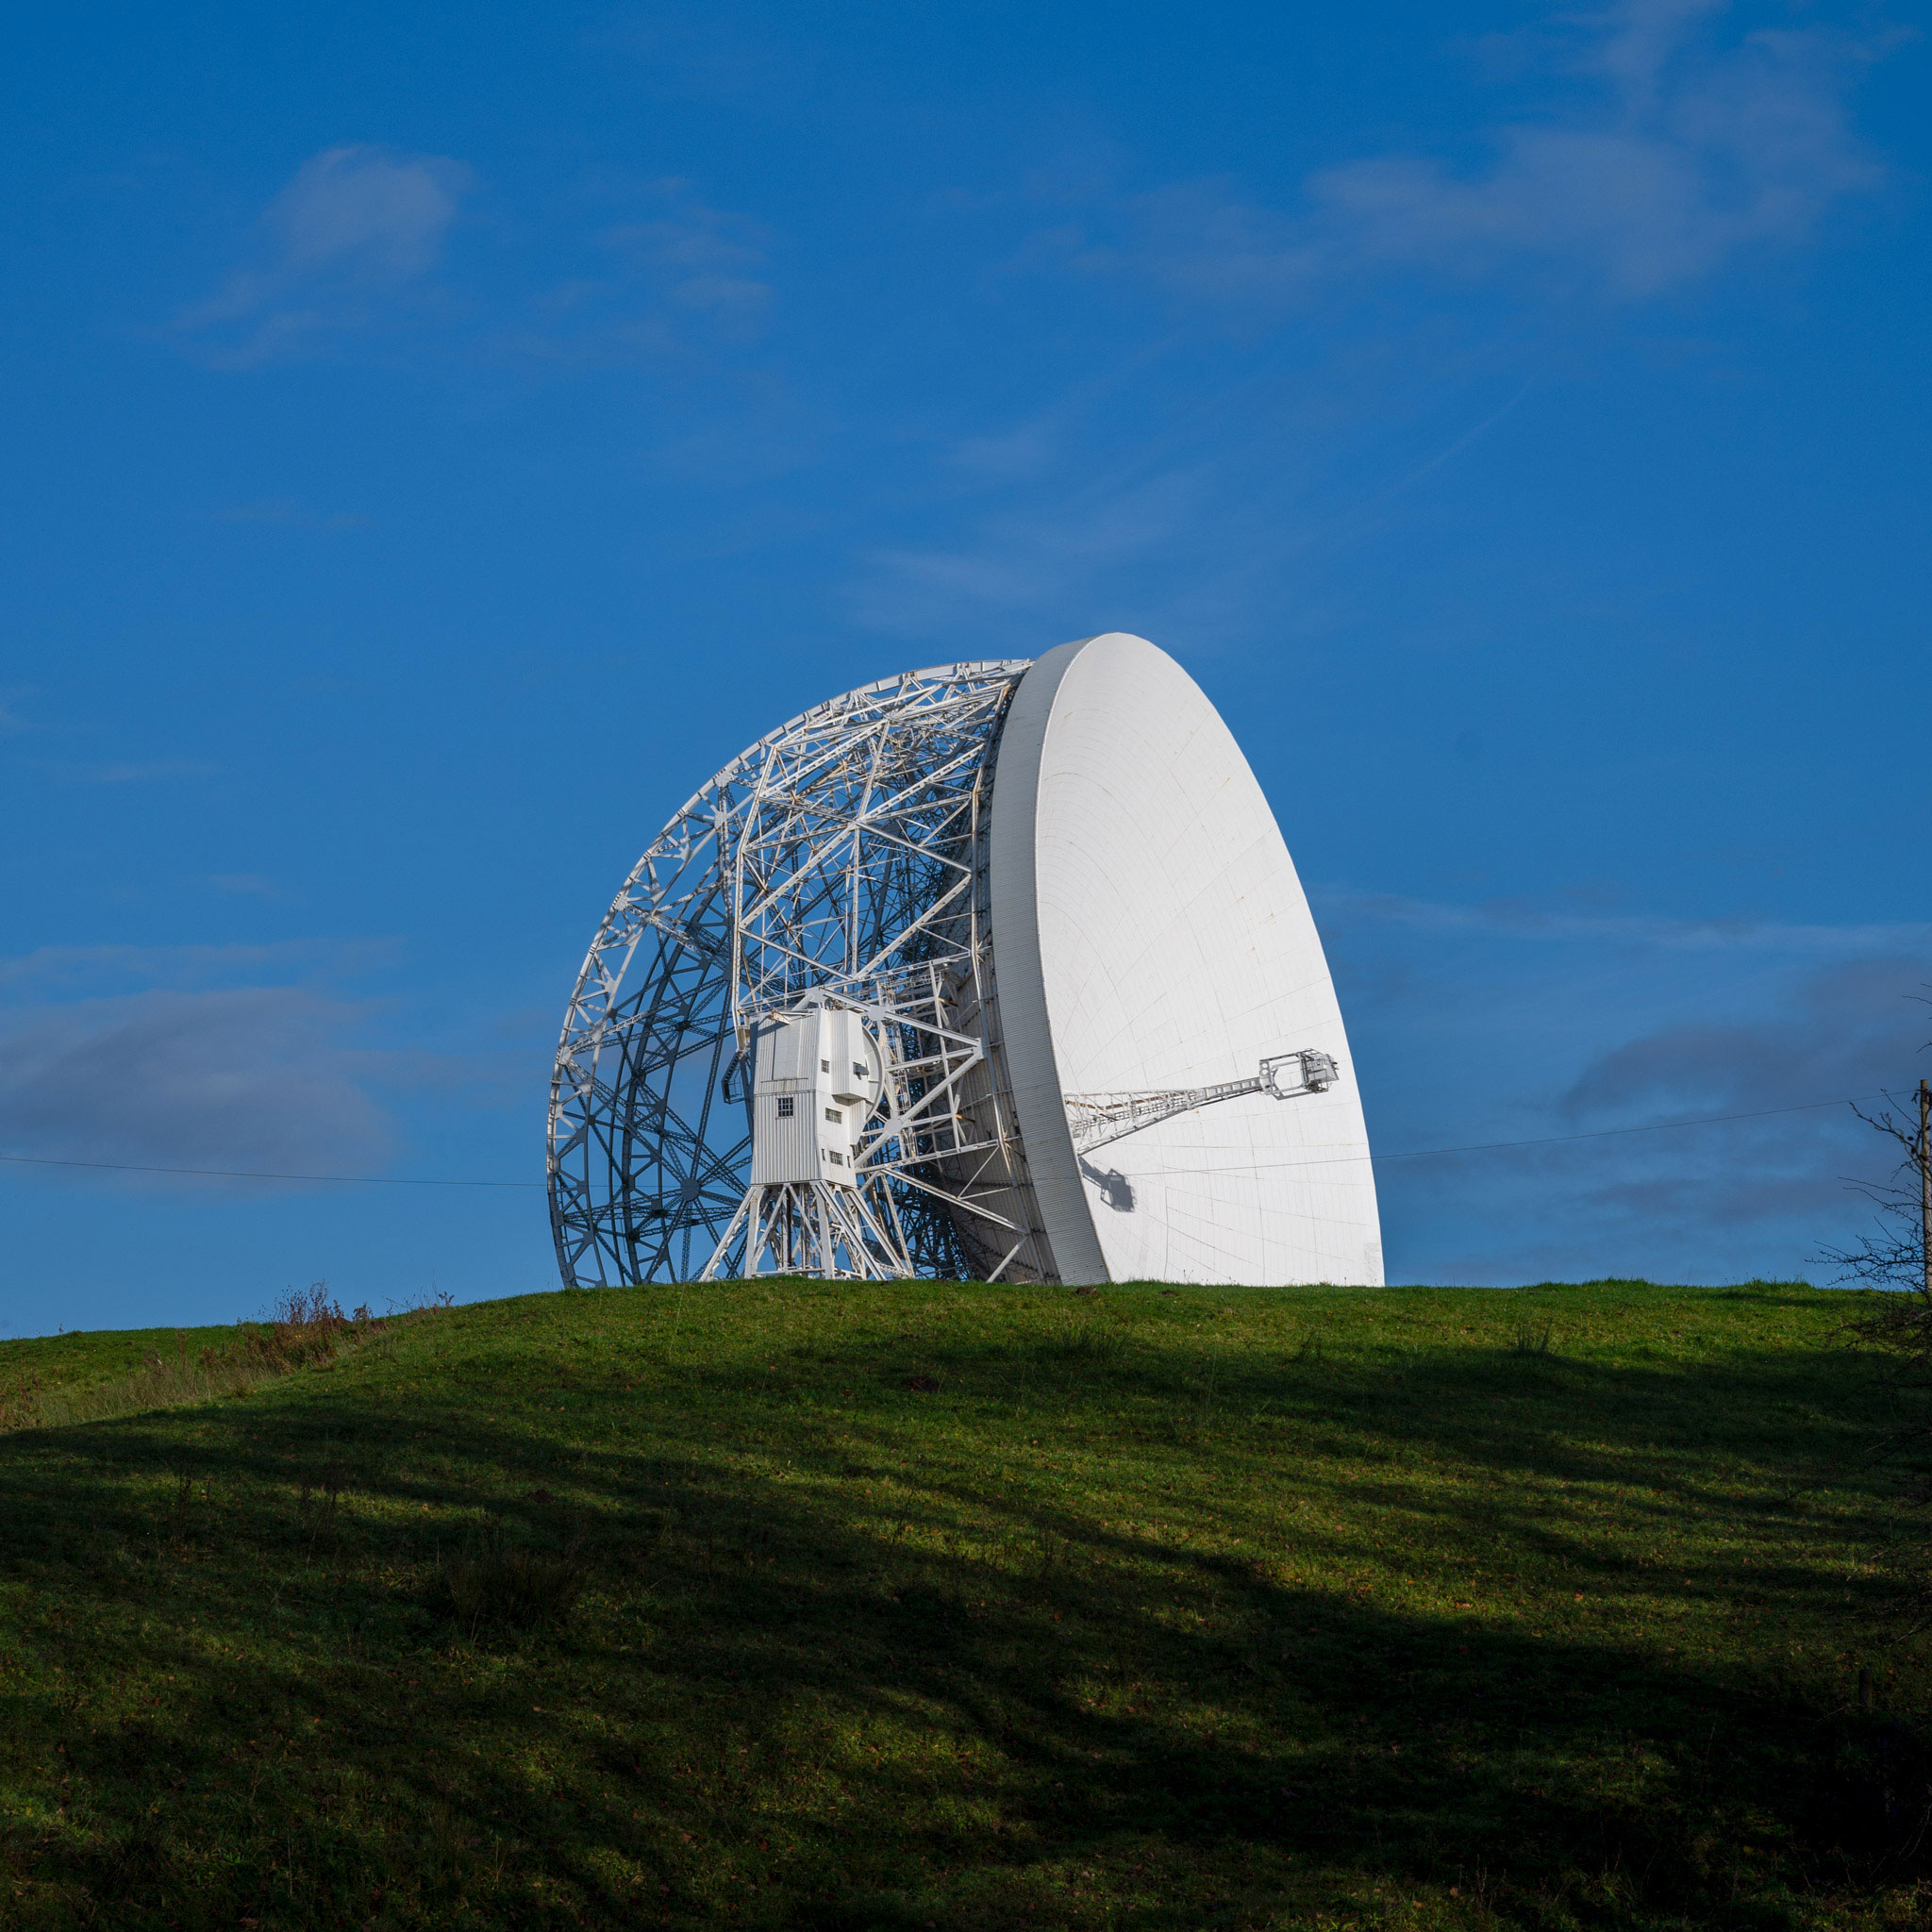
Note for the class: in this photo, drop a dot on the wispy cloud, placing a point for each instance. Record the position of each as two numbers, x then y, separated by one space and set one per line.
245 1077
338 248
1025 560
1644 149
1021 452
1758 1188
96 970
138 772
284 513
246 884
1530 919
708 57
1663 148
355 247
221 1057
1851 1024
1518 1021
676 274
707 261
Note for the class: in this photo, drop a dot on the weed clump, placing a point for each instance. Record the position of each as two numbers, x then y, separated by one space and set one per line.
1081 1343
497 1582
318 1503
304 1327
1534 1337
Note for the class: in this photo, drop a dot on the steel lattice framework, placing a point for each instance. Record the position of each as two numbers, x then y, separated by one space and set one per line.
838 856
1098 1118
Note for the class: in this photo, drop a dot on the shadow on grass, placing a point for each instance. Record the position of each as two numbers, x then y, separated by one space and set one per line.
908 1691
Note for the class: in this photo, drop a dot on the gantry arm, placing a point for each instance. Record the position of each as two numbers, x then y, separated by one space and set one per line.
1098 1118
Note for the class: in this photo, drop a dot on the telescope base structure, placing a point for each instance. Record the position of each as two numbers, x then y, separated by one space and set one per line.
811 1228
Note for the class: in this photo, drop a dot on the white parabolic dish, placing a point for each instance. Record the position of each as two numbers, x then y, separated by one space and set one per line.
1048 907
1149 932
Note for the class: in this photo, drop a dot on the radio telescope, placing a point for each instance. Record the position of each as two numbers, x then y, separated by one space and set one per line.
996 971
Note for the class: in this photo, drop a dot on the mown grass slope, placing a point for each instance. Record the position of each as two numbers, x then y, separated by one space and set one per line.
955 1606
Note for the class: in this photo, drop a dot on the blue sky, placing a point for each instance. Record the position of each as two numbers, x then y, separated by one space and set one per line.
442 436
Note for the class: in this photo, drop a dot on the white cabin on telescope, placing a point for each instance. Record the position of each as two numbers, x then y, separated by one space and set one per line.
816 1076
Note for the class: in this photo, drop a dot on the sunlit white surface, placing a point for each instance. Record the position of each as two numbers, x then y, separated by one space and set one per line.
1150 932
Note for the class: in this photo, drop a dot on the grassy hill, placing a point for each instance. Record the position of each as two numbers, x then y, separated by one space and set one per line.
951 1606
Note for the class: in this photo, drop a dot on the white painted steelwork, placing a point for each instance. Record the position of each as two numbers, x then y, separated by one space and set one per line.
817 1076
1098 1118
1050 901
841 857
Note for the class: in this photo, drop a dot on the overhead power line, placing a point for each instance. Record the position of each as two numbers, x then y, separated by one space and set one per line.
378 1180
227 1174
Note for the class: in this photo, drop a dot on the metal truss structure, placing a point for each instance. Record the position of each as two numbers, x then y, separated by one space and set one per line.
1097 1118
841 857
799 1227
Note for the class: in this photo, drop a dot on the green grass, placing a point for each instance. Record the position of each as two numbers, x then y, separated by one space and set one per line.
91 1377
783 1604
63 1367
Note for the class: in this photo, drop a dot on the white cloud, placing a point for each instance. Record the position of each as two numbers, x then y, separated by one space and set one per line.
704 260
354 228
1017 452
679 279
1524 919
1087 543
354 245
1667 152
